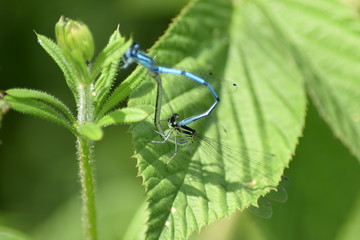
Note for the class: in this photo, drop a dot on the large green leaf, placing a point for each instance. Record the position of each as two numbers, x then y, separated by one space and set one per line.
235 41
327 34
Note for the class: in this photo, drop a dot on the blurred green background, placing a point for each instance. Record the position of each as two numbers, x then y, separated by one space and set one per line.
39 190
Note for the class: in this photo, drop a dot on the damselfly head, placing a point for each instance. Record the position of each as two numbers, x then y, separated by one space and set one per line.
173 120
134 47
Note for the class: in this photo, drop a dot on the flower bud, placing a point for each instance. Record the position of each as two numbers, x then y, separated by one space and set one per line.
75 38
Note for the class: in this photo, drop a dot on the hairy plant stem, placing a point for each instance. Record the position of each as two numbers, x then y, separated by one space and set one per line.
85 157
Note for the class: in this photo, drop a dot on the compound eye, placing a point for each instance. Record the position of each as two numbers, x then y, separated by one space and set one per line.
136 46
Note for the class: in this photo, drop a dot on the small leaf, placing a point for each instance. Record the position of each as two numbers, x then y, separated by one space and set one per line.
121 116
91 131
110 54
55 52
123 90
38 109
108 73
34 94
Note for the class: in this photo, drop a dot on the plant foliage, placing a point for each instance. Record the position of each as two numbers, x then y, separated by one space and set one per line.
237 42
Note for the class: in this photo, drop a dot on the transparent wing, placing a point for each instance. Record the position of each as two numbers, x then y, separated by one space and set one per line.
280 194
237 172
250 167
263 210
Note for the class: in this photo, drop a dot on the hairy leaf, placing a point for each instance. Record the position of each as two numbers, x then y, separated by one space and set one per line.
121 116
109 61
327 40
91 131
38 109
123 90
35 94
209 180
55 52
112 52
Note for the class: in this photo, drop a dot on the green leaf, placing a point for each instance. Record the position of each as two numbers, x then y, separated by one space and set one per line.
327 36
109 61
35 94
233 40
136 229
318 159
123 90
111 53
55 52
121 116
11 234
350 230
38 109
91 131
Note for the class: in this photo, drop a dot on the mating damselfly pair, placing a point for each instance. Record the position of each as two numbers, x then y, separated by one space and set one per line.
236 171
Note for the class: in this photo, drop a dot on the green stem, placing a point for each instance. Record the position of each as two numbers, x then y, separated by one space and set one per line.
85 157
